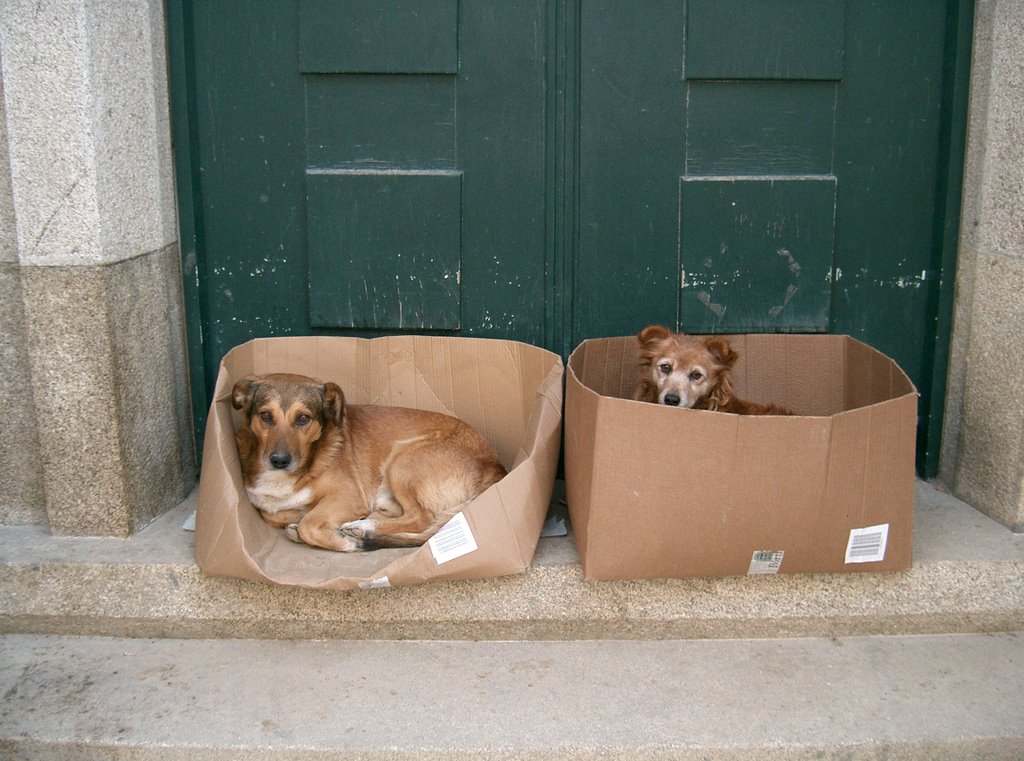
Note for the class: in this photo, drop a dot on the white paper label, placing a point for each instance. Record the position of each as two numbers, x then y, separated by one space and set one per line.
867 545
190 522
765 561
453 540
381 583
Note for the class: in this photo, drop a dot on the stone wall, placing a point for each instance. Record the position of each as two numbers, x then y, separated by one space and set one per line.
983 440
91 307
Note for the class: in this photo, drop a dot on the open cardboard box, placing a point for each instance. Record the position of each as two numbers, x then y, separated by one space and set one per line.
662 492
511 392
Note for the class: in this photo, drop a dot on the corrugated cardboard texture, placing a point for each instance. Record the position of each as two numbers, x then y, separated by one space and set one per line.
511 392
659 492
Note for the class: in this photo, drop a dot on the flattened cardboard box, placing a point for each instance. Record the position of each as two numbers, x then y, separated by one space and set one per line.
662 492
511 392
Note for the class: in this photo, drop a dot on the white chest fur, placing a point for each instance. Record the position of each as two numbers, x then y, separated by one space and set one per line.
275 491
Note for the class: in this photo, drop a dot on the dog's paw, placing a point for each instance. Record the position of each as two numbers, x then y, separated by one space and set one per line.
350 544
292 532
359 529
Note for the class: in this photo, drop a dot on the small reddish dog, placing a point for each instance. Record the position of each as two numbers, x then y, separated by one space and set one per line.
690 371
354 477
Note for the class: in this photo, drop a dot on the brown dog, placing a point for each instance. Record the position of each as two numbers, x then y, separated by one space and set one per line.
354 477
691 371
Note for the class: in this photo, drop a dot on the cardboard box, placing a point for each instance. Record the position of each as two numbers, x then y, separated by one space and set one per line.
662 492
511 392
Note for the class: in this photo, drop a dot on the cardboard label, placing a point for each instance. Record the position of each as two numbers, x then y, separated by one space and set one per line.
867 545
765 562
453 540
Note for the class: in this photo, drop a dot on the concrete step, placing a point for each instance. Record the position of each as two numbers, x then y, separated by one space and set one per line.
917 697
968 577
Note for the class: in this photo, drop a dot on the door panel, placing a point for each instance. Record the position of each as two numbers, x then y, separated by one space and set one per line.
366 121
746 139
755 250
888 231
369 167
631 153
759 128
384 36
801 142
765 39
361 278
753 165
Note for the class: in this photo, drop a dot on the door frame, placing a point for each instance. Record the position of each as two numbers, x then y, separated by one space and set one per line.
562 199
949 201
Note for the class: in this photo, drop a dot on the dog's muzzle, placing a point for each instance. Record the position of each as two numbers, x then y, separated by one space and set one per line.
672 400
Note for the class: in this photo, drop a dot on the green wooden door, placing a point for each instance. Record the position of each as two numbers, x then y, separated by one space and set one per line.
769 165
368 167
553 170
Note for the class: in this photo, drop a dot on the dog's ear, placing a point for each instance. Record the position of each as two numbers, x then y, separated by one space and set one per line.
334 403
721 395
652 333
645 391
243 393
721 351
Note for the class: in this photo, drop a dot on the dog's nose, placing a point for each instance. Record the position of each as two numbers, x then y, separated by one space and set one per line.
672 399
280 460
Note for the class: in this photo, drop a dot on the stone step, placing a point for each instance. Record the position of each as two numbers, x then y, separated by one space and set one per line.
914 697
968 577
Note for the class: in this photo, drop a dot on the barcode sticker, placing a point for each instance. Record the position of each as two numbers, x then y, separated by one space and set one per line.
765 561
381 583
453 540
867 545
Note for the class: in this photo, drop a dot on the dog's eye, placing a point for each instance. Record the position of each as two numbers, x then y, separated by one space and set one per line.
696 375
665 368
267 417
302 420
